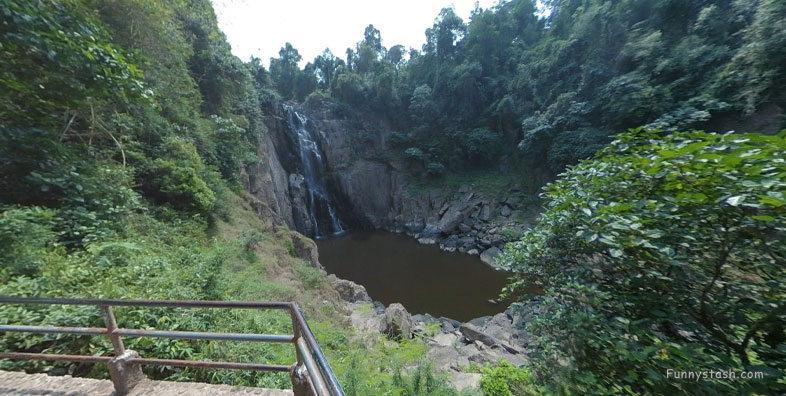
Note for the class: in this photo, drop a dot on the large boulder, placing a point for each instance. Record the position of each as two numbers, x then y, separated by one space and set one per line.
453 216
306 249
449 324
489 256
485 213
426 319
397 322
496 331
465 380
474 333
351 291
428 235
506 211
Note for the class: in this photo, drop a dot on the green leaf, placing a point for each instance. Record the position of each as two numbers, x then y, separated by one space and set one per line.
735 200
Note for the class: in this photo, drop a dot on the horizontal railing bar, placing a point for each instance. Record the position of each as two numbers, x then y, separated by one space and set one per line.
209 364
190 335
55 330
160 362
195 335
150 303
54 357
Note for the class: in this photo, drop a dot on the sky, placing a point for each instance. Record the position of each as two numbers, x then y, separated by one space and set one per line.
261 27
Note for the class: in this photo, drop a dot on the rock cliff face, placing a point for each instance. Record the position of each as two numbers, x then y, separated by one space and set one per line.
370 187
268 182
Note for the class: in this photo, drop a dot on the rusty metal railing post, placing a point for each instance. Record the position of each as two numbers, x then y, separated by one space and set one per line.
302 384
295 332
111 327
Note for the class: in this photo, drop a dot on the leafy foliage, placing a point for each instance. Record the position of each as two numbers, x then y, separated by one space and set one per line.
504 379
663 253
178 177
40 40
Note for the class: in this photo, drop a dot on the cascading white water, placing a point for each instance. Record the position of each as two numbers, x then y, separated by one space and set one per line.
322 212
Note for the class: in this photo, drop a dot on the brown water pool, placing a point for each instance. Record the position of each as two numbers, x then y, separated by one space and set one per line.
423 278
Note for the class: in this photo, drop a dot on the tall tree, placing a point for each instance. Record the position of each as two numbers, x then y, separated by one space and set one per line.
285 70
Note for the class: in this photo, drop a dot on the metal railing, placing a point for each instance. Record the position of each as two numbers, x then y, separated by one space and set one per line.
320 379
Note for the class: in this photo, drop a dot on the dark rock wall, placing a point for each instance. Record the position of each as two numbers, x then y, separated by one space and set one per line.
370 186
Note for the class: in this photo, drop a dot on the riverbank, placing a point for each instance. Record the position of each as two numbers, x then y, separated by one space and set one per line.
456 348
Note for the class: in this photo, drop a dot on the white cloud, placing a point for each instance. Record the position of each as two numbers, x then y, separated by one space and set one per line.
261 27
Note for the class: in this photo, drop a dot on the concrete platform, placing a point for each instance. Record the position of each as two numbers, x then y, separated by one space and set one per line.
22 384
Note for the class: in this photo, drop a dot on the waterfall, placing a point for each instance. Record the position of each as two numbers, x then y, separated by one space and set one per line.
321 210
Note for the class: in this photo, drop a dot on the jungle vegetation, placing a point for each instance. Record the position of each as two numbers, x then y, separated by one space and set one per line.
549 86
127 126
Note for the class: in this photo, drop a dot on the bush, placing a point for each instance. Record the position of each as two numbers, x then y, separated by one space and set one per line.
90 195
233 150
25 235
663 253
310 276
504 379
479 144
95 199
568 147
177 180
399 139
510 234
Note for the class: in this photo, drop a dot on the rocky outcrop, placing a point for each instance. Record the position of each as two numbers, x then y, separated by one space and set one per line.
455 346
397 322
350 291
305 248
487 340
490 255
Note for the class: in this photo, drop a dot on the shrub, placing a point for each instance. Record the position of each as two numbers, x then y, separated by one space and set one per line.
310 276
399 139
510 234
504 379
569 147
479 144
233 150
663 253
177 179
25 233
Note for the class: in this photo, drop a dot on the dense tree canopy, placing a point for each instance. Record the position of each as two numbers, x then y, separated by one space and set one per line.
584 71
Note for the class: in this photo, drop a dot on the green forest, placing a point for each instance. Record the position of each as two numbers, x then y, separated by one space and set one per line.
551 91
654 131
